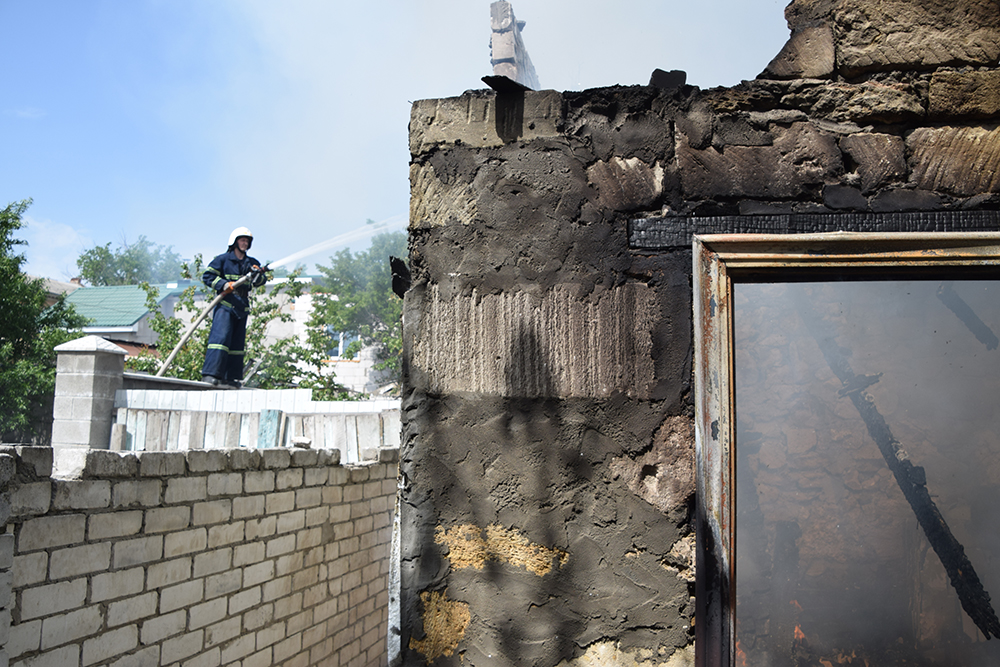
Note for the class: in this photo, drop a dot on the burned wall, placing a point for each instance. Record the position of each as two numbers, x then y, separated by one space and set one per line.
548 385
547 453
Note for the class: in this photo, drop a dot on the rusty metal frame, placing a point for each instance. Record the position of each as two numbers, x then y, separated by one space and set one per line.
719 261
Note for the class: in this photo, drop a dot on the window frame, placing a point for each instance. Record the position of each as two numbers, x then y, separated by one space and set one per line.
719 260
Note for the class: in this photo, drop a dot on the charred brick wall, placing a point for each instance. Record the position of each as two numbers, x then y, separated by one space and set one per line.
547 453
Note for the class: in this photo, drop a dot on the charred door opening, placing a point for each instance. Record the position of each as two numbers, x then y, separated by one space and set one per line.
849 450
833 561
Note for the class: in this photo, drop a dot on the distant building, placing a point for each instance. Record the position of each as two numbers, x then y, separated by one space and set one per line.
119 314
56 288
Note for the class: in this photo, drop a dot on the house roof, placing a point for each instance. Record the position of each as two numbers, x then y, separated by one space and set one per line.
56 287
120 305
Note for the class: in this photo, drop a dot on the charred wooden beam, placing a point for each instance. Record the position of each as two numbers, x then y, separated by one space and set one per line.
912 481
964 312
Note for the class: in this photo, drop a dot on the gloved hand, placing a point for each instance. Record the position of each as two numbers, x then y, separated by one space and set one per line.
257 275
230 286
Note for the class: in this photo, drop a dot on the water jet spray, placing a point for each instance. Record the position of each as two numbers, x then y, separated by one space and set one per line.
342 239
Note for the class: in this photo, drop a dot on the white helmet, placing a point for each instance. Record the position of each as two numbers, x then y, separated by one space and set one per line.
238 232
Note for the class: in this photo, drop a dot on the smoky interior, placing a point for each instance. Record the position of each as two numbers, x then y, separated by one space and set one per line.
867 472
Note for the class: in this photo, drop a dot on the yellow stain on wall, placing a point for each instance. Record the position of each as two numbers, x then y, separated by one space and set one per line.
610 654
471 546
445 622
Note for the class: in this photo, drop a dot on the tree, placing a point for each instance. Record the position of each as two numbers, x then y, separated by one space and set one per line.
187 364
129 263
28 333
357 299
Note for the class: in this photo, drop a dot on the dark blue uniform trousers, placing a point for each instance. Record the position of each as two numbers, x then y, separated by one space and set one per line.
226 340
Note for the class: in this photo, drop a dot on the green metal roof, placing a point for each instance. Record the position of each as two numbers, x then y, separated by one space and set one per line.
118 306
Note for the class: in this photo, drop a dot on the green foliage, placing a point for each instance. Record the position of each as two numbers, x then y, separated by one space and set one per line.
187 364
357 298
282 272
287 363
271 364
28 330
129 264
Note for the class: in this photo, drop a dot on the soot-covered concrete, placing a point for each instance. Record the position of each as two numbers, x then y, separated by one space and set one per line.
548 455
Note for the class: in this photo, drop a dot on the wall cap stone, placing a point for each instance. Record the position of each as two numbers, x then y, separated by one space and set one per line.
23 465
304 458
275 458
244 459
329 457
161 464
110 464
33 462
90 344
8 468
69 462
207 460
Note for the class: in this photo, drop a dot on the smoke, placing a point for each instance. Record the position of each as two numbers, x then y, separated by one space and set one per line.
363 232
831 562
52 248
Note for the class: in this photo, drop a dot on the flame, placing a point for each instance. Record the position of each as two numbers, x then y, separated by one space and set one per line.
799 635
795 603
842 658
741 657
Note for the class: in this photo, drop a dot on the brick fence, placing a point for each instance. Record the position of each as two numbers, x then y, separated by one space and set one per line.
198 559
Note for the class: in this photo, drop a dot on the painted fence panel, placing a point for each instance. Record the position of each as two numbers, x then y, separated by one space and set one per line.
179 420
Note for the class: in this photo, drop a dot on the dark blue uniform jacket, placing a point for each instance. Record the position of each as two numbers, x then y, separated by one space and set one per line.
225 268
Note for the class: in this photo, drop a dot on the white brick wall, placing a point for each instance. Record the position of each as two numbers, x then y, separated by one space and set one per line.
199 559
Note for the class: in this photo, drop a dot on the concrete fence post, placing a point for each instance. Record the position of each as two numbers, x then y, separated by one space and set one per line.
88 373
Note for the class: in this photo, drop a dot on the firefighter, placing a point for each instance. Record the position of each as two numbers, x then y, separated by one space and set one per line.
224 357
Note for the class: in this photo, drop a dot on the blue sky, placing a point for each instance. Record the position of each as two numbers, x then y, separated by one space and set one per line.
182 119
